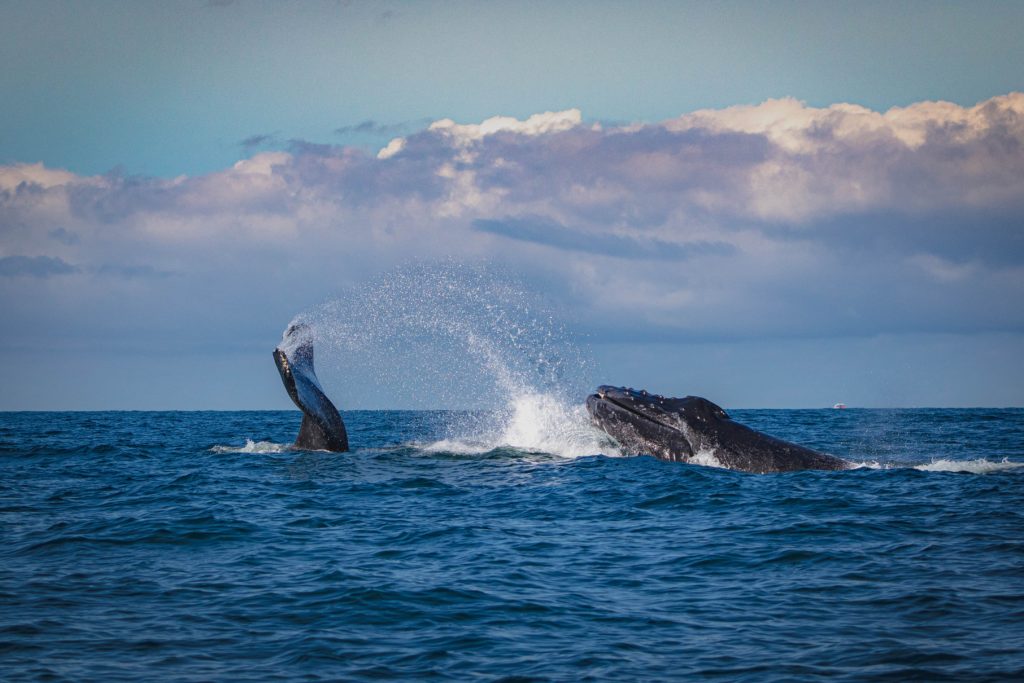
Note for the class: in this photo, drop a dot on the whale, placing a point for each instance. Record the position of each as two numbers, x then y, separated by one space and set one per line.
322 428
694 430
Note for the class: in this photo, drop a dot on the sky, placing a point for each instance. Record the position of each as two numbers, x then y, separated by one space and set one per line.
782 204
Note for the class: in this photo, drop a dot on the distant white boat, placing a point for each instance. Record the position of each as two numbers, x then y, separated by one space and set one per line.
839 406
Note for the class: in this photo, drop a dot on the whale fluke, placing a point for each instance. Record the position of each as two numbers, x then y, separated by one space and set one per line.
322 427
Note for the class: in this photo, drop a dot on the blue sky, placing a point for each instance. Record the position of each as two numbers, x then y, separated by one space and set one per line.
785 204
169 88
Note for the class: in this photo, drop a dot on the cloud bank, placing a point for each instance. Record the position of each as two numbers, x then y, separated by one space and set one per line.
770 220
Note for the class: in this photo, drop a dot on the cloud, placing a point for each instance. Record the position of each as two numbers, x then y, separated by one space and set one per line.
540 231
131 272
846 158
757 221
368 127
260 140
26 176
49 266
34 266
377 129
64 236
538 124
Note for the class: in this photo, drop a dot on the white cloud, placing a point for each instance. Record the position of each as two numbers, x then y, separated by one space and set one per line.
392 148
845 158
537 124
37 175
262 164
797 128
777 218
464 135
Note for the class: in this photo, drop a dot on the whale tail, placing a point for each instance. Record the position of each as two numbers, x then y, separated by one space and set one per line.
322 427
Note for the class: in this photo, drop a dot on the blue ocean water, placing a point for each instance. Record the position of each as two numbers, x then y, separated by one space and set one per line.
193 546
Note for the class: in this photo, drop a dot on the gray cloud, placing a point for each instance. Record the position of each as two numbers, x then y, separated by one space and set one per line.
540 231
259 140
369 127
132 272
64 236
34 266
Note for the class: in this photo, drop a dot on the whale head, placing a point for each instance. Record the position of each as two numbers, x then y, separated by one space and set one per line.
645 423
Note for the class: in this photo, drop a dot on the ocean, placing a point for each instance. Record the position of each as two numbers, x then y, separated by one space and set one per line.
516 546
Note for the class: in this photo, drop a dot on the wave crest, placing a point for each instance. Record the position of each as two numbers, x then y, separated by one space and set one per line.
980 466
254 447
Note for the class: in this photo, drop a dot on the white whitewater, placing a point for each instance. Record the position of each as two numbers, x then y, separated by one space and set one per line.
978 466
251 446
532 423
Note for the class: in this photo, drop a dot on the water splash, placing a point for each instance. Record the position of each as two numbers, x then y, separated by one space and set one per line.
254 447
707 458
978 466
463 336
981 466
531 423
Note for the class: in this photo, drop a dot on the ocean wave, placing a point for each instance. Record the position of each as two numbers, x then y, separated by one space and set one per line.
978 466
394 563
254 447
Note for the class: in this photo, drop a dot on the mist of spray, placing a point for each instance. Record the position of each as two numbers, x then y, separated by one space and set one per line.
460 336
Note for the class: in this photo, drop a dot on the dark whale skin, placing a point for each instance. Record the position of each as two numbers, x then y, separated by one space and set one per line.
693 430
322 428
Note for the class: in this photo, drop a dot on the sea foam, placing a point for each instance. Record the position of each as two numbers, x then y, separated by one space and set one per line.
978 466
534 423
981 466
253 447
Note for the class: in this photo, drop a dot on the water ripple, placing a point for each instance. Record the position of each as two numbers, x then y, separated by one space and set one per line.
197 546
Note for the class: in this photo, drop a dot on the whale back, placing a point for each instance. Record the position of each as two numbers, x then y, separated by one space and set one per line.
693 429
